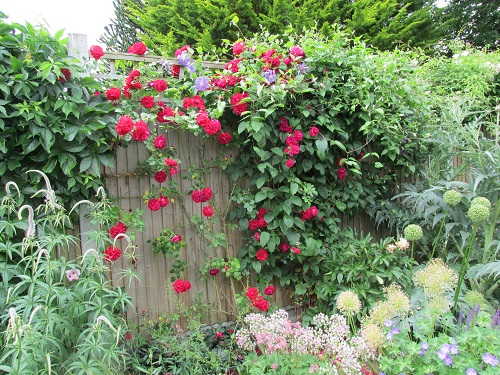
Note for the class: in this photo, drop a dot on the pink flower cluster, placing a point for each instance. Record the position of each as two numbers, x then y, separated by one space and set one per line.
259 222
125 126
154 204
239 107
172 165
212 127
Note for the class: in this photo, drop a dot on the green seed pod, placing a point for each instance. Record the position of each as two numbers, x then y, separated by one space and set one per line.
413 232
452 197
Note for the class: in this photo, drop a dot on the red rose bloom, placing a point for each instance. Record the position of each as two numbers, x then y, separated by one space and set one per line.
296 51
160 176
197 196
298 135
154 204
202 119
165 114
253 224
141 132
163 201
262 222
261 255
206 194
284 247
160 85
261 213
176 238
124 126
290 163
171 163
160 142
66 73
238 48
184 48
113 93
117 229
213 127
148 102
269 291
261 304
252 293
208 211
341 173
238 107
138 48
112 253
175 71
296 250
214 272
181 286
96 52
285 126
256 235
314 131
233 65
224 138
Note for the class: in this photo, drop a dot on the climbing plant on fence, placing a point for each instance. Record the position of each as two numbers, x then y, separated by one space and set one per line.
308 129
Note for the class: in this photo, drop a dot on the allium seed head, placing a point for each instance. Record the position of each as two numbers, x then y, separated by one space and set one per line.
478 213
452 197
413 232
348 303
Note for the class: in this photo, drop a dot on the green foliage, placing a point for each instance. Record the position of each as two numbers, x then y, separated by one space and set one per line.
121 33
475 22
48 121
167 24
61 316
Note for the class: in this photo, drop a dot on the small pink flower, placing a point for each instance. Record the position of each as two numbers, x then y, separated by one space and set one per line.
314 131
290 163
72 275
256 235
219 335
176 238
296 250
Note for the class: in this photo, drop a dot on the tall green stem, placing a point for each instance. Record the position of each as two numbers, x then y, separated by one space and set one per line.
411 269
465 264
443 222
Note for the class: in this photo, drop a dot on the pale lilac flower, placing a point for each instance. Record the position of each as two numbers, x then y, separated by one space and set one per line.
72 275
490 359
453 349
302 68
388 323
313 368
201 83
448 360
184 59
270 76
274 366
425 345
470 371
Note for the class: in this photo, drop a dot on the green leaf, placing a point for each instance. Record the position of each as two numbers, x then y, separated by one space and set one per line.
85 164
341 205
295 200
260 182
321 145
288 221
294 187
300 289
260 196
16 64
264 238
257 266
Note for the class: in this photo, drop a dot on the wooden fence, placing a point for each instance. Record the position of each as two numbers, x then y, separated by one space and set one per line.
124 183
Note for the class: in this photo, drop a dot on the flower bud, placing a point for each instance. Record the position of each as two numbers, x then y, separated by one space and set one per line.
452 197
413 232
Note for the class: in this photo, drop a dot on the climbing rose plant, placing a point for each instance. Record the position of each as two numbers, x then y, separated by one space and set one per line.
307 130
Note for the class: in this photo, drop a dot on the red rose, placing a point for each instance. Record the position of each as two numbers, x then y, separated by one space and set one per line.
261 304
341 173
290 163
176 238
184 48
154 204
96 52
296 51
224 138
160 85
298 135
202 119
238 48
165 114
269 291
117 229
163 201
314 131
175 71
256 235
214 271
253 224
66 73
285 126
148 102
197 196
208 211
138 48
296 250
124 126
128 336
238 107
233 65
113 93
213 127
160 142
171 163
262 222
252 293
112 253
160 176
360 155
181 286
261 255
141 132
206 194
284 247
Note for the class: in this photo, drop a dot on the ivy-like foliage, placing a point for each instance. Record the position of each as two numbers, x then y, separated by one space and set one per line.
51 115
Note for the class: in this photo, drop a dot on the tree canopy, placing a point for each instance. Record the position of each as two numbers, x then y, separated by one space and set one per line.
164 25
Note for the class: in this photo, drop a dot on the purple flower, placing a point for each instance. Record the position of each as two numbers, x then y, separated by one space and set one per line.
425 345
442 355
201 83
448 360
389 336
495 320
453 349
388 323
270 76
184 59
470 371
395 331
490 359
302 68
